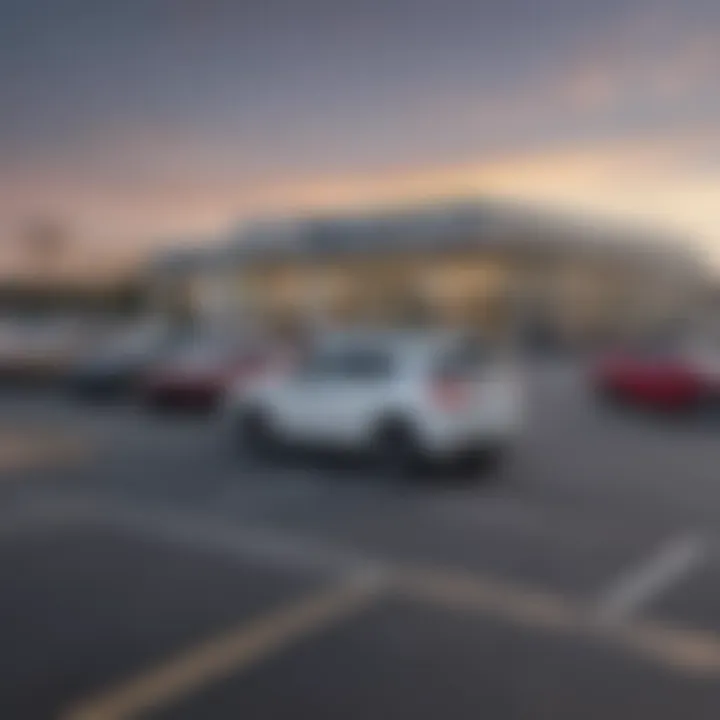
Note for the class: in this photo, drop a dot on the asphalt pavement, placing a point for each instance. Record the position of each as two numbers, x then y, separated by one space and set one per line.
148 570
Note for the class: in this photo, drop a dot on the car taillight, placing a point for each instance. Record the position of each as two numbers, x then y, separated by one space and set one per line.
450 394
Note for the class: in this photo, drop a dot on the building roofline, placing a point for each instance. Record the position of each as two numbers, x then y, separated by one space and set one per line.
437 227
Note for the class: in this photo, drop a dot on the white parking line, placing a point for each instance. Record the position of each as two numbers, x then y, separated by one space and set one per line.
639 585
687 651
254 544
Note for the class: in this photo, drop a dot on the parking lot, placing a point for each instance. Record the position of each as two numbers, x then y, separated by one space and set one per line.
148 570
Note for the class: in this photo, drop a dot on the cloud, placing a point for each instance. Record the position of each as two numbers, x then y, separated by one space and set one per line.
662 53
664 179
621 126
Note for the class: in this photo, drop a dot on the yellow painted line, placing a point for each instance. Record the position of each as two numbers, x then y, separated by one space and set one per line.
29 450
691 652
516 604
231 652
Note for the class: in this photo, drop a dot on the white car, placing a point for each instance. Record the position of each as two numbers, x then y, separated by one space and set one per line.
405 397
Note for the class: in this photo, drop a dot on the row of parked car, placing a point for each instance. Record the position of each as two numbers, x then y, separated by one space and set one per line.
405 399
168 370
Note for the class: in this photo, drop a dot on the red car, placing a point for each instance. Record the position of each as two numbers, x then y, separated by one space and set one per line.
663 378
197 378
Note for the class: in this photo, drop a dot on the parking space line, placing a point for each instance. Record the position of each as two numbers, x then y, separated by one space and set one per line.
689 651
490 596
640 585
233 651
253 544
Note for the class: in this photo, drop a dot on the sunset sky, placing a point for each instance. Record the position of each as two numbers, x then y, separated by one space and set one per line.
136 121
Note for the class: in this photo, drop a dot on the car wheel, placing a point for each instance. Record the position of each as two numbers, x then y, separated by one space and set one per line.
395 450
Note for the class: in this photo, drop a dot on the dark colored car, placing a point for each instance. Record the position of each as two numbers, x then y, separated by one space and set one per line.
119 368
197 377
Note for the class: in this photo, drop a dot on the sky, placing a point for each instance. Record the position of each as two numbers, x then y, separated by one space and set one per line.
138 123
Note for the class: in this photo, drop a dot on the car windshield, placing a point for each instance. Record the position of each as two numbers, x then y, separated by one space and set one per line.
349 363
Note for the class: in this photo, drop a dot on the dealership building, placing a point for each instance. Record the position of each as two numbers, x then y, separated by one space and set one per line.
492 266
